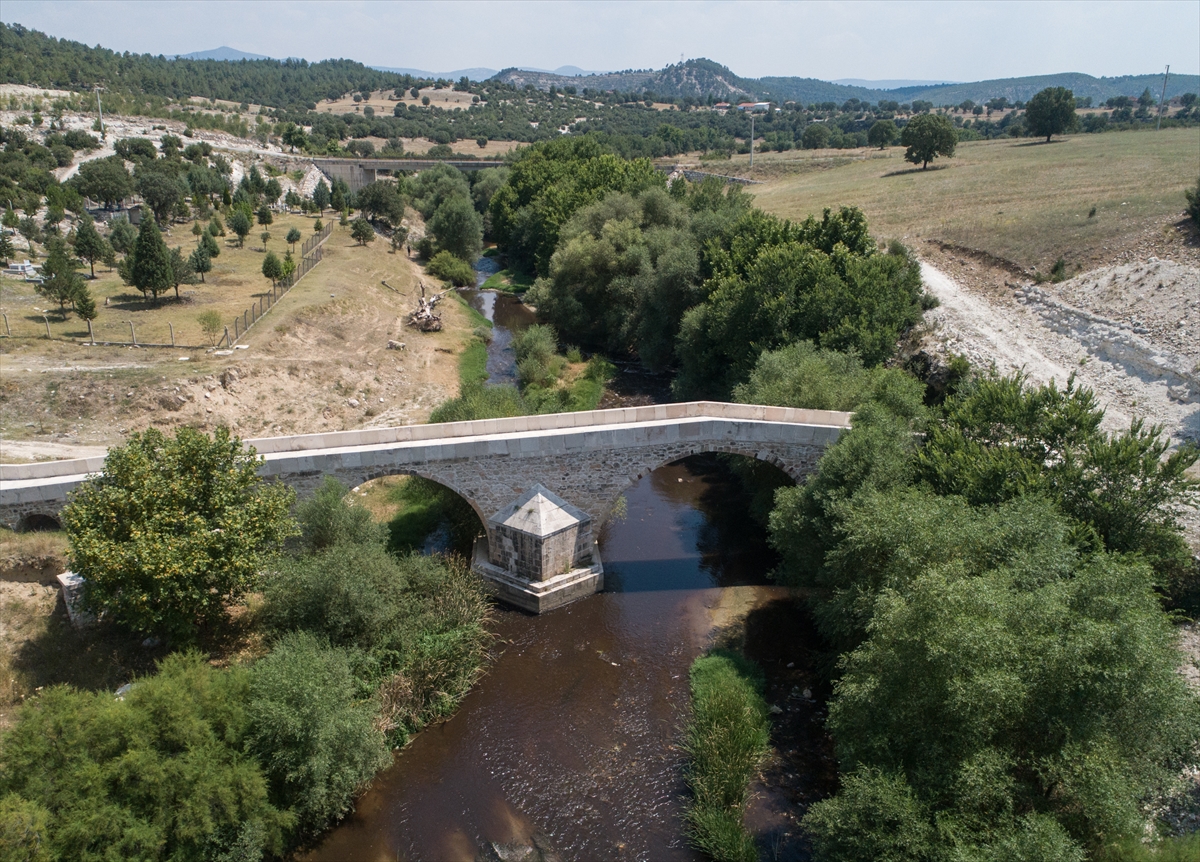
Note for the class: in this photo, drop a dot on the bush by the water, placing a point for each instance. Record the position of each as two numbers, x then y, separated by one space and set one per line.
453 269
726 741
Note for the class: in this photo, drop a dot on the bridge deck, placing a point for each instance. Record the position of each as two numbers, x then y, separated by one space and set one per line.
26 475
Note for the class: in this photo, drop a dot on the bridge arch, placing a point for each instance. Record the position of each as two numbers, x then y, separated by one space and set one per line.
38 522
796 470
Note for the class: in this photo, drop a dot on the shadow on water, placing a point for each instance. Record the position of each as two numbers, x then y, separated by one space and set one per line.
573 734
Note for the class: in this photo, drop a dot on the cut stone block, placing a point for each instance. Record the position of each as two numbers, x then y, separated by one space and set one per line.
73 586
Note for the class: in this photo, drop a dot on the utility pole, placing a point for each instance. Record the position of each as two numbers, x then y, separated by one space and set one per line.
751 137
1162 103
100 111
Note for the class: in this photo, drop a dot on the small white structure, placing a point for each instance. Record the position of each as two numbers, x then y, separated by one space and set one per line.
73 586
24 269
542 553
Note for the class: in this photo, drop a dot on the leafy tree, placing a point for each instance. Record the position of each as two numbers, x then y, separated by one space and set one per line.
362 231
816 136
381 200
89 245
121 235
883 133
265 236
325 519
311 730
210 325
458 228
1002 439
293 237
151 268
173 530
161 192
241 225
548 183
1051 112
104 180
927 136
60 282
321 195
272 268
66 770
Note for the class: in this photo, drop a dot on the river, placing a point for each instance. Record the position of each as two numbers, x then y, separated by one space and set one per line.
573 733
571 738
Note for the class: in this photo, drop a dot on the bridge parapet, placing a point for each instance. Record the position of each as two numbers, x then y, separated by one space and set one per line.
587 458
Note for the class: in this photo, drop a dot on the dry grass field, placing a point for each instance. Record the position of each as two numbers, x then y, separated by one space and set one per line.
384 100
1022 201
318 361
235 283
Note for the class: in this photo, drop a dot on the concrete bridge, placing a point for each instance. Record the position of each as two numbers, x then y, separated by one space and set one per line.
539 484
357 173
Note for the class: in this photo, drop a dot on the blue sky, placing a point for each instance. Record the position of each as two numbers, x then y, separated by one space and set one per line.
953 41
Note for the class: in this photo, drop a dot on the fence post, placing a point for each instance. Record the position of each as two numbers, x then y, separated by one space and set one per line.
47 322
6 329
132 333
172 326
227 341
91 335
235 330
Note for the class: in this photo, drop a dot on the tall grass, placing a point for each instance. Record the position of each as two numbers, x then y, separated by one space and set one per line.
726 742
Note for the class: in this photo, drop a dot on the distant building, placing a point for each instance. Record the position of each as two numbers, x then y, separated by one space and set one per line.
754 106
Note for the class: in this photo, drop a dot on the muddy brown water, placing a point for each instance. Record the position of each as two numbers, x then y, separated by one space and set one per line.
573 733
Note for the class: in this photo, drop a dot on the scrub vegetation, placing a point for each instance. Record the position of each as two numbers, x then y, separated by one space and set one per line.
358 648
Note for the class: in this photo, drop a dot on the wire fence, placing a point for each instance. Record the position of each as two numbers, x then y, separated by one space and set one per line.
311 255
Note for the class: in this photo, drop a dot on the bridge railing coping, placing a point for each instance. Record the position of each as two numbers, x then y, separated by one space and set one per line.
476 428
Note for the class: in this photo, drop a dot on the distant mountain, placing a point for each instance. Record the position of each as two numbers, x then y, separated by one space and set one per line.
701 77
480 73
222 53
475 74
694 78
888 84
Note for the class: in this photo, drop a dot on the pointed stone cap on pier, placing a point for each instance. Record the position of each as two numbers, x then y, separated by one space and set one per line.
539 512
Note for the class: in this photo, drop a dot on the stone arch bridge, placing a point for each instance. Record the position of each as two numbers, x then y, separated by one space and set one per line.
539 484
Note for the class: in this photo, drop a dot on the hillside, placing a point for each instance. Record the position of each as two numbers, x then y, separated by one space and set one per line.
700 78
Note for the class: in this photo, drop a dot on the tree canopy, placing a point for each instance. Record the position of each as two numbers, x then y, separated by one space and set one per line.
927 136
1051 112
173 529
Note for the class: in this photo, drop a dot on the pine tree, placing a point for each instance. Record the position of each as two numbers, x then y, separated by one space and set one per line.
201 261
60 282
151 271
89 245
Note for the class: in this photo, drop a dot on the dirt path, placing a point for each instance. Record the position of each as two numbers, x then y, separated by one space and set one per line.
1025 328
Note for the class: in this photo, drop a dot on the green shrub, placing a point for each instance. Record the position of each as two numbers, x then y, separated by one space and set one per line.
174 529
311 730
480 402
326 519
412 626
160 774
726 740
1193 203
449 268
